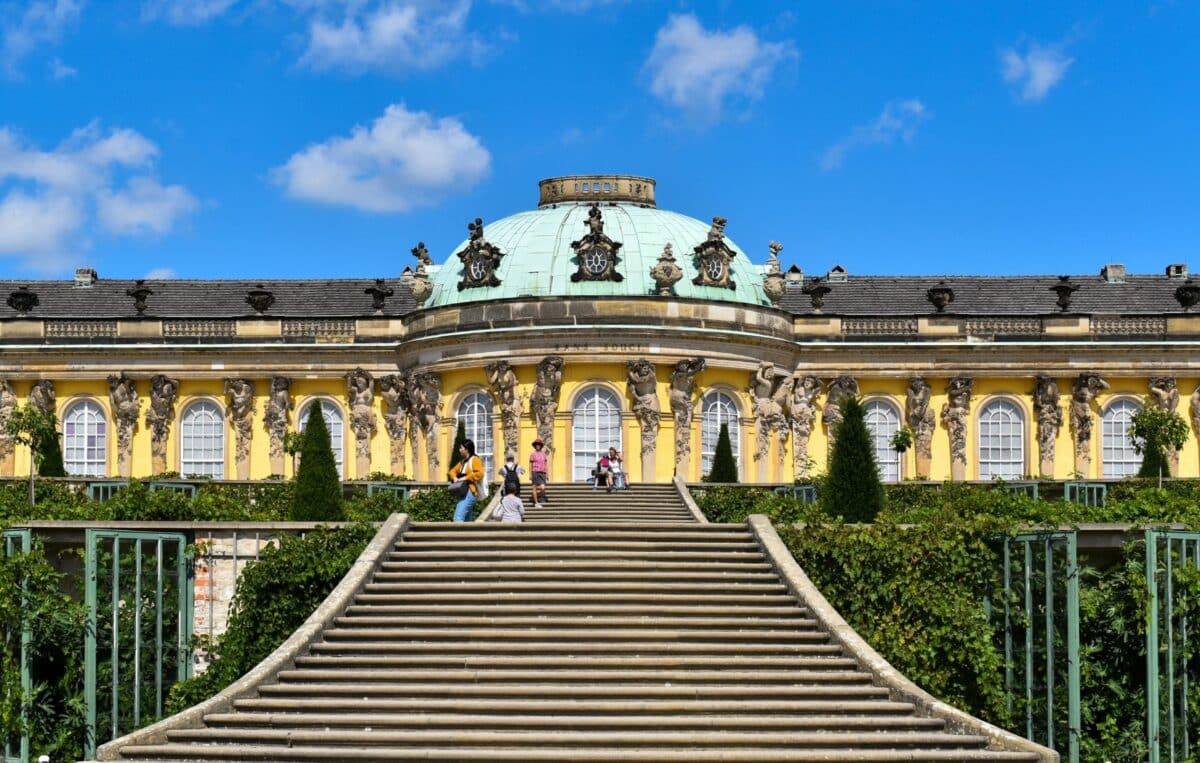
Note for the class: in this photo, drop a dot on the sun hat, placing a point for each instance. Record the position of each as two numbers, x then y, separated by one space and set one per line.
538 441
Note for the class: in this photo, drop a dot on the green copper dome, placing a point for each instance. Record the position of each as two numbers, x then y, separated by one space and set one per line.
537 259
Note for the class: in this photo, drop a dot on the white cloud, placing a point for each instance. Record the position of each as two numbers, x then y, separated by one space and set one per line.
50 199
899 120
144 206
59 70
698 71
393 37
403 160
42 23
185 12
161 274
1036 71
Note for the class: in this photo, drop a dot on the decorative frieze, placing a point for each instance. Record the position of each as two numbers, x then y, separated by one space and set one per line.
879 326
1128 325
80 329
321 328
994 327
199 327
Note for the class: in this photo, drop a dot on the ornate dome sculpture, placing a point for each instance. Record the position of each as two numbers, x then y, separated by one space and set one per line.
595 236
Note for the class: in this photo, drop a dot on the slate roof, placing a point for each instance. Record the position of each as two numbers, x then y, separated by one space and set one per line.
989 295
106 298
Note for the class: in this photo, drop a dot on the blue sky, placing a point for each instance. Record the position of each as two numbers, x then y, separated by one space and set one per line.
324 138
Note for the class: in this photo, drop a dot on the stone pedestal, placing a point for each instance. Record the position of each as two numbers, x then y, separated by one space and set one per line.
1083 465
243 468
277 462
125 464
362 467
158 462
649 464
8 464
958 470
1046 468
923 463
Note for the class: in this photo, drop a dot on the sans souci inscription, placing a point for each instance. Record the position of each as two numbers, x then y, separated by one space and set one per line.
588 347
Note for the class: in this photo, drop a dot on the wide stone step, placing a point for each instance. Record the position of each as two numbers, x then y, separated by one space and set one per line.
412 567
379 720
538 587
555 754
549 662
583 609
501 533
894 739
593 691
568 675
631 574
572 646
605 597
582 634
715 545
571 708
613 530
549 553
487 620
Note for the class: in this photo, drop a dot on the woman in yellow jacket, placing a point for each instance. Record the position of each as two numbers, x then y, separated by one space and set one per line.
469 468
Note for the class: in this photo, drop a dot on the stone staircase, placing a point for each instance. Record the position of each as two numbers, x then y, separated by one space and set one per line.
563 641
577 502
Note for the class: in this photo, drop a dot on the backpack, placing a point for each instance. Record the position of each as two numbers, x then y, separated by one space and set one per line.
512 476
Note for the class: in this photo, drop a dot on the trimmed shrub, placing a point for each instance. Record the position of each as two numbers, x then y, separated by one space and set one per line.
52 457
852 488
318 493
724 466
460 436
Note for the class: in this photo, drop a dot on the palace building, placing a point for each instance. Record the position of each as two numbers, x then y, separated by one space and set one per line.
599 319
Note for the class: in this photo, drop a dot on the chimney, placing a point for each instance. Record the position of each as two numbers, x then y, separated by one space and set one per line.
1113 273
1177 270
837 275
85 278
794 276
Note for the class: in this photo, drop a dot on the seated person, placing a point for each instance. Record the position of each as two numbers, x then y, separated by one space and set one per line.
603 474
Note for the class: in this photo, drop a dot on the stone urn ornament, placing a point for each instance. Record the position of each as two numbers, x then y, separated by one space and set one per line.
1188 295
774 284
940 295
1065 291
666 272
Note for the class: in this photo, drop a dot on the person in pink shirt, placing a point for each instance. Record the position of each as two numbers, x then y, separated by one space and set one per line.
539 472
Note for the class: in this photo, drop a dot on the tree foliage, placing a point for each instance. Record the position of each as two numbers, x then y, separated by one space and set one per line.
1154 433
318 491
852 488
724 465
460 436
37 429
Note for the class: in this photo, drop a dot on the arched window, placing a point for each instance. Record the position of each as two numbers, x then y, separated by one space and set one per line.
475 414
202 441
717 408
883 421
1116 446
334 423
1001 441
595 427
85 440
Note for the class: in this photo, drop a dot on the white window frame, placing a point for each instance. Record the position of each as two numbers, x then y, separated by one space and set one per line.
337 428
79 458
478 414
717 408
592 403
1000 442
202 442
1117 455
883 422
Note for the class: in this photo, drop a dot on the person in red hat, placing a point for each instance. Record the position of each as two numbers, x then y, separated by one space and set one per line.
539 472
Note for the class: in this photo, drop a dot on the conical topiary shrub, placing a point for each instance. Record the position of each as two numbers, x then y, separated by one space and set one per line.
852 488
52 458
460 436
724 465
318 492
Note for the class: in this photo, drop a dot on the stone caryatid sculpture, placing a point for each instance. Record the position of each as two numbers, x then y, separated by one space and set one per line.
163 393
277 418
1087 388
240 410
426 405
954 417
802 414
666 272
1164 395
8 403
918 414
126 407
544 401
1195 410
1049 420
840 388
502 379
642 385
360 397
683 386
394 392
41 396
769 392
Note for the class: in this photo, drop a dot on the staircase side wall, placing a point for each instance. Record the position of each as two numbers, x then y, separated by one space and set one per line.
283 657
883 673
